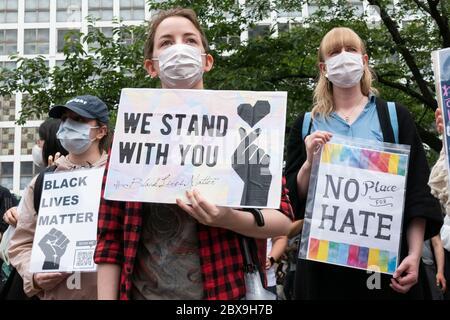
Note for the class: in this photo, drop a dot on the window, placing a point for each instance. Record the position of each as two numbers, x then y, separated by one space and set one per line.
7 108
61 35
101 9
283 27
313 7
107 32
36 41
37 10
6 174
232 40
8 42
132 9
290 13
68 10
259 31
126 36
7 139
7 65
357 7
8 11
259 6
29 138
27 171
27 104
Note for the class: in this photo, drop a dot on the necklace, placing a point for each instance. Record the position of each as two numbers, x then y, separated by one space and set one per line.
347 116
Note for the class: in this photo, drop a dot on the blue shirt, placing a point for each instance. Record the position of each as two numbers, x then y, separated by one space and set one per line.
366 126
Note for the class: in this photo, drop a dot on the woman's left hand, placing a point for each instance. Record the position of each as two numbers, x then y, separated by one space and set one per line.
406 275
205 212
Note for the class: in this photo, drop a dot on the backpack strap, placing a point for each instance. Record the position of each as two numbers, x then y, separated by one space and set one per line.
306 126
388 120
37 193
394 120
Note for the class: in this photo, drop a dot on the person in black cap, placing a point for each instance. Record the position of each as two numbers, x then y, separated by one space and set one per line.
82 132
84 122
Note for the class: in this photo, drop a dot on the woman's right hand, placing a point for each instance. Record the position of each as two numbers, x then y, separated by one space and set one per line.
314 141
11 216
439 121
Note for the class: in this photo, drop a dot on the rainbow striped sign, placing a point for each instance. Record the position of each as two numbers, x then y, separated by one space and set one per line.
364 159
351 255
356 217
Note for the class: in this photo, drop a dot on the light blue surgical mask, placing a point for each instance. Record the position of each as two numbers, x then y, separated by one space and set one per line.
75 136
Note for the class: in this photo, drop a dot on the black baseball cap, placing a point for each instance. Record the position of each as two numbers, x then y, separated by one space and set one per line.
86 106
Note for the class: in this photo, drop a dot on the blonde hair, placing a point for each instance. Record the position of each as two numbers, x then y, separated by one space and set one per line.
338 38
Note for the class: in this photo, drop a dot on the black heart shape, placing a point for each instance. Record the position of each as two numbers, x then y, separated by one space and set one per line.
252 115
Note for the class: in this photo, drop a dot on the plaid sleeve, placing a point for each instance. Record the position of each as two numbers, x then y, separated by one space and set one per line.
285 205
110 229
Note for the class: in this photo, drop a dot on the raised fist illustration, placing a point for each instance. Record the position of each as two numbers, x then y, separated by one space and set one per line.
53 245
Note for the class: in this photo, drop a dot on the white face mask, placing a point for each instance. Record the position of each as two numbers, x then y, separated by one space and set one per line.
75 136
38 159
180 66
345 69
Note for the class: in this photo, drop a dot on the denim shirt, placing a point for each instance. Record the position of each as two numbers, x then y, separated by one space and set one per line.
366 126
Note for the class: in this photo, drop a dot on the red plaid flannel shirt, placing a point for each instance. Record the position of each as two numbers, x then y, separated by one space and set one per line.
119 230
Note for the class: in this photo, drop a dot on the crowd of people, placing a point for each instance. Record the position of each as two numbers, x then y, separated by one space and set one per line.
202 257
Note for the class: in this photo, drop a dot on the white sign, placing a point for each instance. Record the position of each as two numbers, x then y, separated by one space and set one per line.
66 229
226 144
357 205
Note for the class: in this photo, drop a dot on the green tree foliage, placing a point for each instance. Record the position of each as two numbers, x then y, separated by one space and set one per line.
399 46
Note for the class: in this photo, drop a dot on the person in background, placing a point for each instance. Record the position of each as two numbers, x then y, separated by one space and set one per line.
275 249
83 133
433 260
7 201
45 152
438 183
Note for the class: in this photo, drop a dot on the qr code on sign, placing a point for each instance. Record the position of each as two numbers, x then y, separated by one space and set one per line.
84 259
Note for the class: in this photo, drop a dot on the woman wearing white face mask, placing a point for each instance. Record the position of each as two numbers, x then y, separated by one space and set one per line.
83 133
345 103
178 251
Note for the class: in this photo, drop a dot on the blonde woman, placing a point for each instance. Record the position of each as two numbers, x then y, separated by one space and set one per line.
345 103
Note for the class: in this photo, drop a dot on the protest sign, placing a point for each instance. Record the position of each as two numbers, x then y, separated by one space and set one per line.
441 66
66 229
226 144
355 204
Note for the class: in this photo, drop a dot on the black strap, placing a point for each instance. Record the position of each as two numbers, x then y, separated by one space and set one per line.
250 256
38 187
385 120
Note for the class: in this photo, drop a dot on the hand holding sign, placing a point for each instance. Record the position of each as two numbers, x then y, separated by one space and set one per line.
439 121
314 141
47 281
251 163
53 245
205 212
